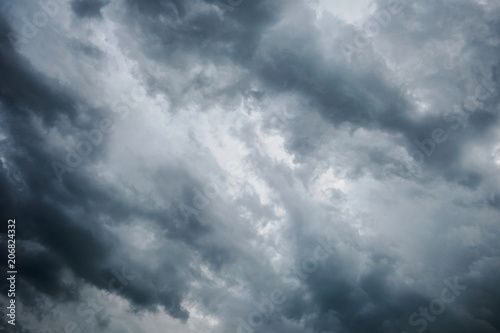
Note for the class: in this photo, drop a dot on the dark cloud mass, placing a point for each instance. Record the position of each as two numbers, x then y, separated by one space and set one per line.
88 8
251 166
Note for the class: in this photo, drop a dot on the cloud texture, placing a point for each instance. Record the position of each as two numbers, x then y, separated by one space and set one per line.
251 166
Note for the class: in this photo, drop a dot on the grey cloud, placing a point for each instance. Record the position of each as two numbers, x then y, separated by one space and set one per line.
88 8
325 150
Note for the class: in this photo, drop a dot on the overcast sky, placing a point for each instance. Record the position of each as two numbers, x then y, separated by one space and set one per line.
251 166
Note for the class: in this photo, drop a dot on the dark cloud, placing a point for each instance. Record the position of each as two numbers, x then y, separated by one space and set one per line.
88 8
244 145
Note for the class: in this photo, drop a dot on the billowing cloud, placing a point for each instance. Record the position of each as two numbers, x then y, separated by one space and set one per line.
251 166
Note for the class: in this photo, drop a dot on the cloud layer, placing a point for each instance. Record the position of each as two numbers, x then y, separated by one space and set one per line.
252 166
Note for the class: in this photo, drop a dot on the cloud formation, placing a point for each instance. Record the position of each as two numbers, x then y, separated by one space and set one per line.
251 166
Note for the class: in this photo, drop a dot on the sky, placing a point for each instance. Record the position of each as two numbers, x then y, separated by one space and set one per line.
247 166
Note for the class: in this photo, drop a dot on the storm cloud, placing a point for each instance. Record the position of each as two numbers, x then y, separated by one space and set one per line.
251 166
